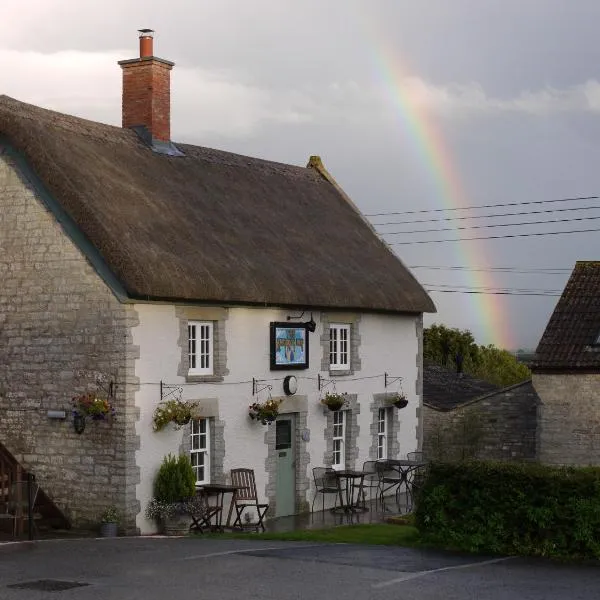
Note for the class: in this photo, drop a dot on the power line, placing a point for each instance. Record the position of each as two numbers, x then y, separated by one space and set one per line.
433 210
540 271
490 288
466 227
493 215
493 237
490 293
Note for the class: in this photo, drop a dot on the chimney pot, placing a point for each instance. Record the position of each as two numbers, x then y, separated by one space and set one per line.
147 90
146 42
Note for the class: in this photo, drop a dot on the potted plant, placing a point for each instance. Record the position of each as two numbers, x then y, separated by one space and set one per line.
333 401
265 412
398 400
174 491
178 412
109 522
93 406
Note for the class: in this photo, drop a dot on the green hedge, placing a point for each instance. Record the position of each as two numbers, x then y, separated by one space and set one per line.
511 508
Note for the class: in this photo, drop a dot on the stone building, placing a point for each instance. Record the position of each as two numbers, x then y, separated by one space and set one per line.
464 417
139 270
566 373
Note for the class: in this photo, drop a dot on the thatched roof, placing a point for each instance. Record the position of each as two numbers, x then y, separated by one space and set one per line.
571 340
210 226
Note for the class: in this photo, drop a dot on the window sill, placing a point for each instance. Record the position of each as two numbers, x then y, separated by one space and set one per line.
204 378
340 373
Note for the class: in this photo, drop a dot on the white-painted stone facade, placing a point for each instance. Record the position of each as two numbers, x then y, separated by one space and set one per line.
388 343
62 327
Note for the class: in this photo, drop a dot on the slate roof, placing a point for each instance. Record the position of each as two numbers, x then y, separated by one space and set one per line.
444 389
570 341
210 226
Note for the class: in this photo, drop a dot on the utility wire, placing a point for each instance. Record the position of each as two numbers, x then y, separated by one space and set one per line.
434 210
490 293
490 288
540 271
493 237
466 227
493 215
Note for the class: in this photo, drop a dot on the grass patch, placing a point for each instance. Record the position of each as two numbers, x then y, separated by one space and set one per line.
379 534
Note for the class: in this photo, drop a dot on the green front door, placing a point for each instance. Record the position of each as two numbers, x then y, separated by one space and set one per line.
285 499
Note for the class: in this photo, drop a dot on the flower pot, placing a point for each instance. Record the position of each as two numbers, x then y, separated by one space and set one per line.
334 407
108 530
178 524
401 403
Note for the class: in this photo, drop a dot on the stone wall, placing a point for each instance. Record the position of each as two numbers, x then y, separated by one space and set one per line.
569 418
499 426
61 332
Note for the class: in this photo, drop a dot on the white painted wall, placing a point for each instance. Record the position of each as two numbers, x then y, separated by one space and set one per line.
388 344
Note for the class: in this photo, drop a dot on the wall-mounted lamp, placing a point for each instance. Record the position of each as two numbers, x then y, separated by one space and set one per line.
310 325
57 414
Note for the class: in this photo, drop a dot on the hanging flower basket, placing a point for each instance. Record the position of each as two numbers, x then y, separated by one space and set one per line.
333 401
265 412
90 405
398 400
178 412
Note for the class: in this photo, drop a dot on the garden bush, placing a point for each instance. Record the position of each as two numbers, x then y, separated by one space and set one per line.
512 508
175 480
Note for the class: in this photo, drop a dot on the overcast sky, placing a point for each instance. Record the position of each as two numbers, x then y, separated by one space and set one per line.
504 93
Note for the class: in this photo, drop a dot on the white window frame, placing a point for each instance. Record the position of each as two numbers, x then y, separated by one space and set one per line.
338 458
382 433
201 449
201 347
339 347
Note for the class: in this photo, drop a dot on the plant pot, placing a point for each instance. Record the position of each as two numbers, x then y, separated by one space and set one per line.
334 407
177 524
401 403
108 530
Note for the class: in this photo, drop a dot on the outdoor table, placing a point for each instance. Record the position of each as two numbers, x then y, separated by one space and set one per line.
218 491
404 467
350 477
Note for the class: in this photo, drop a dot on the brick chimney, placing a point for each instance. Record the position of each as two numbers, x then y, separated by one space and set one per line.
147 90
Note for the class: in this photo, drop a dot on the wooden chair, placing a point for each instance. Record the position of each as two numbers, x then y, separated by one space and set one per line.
247 497
202 513
325 483
17 506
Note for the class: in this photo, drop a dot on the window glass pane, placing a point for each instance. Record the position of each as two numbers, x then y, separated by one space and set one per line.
199 450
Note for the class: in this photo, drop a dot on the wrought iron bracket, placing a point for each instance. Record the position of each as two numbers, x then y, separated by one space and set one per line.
322 383
388 380
260 385
169 391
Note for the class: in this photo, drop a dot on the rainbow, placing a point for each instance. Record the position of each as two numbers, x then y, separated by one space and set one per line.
492 323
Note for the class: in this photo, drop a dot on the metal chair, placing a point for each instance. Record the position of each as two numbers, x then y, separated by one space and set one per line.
389 479
17 506
415 477
247 497
325 483
370 480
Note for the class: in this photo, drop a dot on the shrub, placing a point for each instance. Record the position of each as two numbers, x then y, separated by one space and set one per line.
110 515
175 480
512 508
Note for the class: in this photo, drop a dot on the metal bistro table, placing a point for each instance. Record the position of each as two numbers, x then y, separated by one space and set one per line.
404 467
218 491
350 477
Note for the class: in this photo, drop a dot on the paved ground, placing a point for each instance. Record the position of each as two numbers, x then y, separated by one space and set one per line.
182 569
